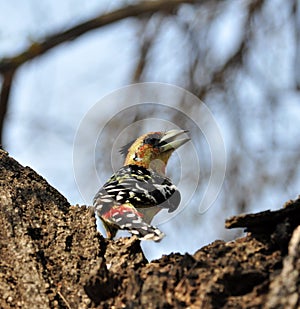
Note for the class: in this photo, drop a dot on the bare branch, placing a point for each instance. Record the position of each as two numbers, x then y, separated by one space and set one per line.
8 66
147 42
37 49
4 97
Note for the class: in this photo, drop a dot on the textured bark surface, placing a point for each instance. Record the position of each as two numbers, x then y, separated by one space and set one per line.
51 256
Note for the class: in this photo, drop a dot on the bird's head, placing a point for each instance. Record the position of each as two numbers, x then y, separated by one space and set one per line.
153 150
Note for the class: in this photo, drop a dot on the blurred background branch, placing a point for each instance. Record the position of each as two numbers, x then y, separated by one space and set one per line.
9 65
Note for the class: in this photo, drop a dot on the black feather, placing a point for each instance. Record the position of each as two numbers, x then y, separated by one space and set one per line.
124 149
139 186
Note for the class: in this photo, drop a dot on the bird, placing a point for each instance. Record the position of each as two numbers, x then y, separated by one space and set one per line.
136 192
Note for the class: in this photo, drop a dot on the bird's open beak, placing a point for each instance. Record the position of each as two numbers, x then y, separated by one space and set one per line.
168 140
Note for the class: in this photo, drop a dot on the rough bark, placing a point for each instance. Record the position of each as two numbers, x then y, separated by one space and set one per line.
51 256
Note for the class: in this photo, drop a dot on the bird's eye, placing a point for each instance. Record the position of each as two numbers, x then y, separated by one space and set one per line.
152 141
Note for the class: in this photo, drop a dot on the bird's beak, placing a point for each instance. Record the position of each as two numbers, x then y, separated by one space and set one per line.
168 141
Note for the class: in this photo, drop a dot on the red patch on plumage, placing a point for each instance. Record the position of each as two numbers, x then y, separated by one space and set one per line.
121 210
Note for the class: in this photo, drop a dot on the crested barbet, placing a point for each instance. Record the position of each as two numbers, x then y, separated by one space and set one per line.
140 189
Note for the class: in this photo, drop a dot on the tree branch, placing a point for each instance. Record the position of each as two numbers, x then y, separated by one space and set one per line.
147 42
8 66
4 97
39 48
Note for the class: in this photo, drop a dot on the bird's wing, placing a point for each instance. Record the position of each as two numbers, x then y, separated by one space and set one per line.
137 186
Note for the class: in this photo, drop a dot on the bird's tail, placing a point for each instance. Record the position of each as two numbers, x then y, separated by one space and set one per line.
147 232
126 217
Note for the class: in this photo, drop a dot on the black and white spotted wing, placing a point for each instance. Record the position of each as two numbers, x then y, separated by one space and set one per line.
138 186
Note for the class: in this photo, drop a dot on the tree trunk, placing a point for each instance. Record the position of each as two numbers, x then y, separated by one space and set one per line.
52 256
